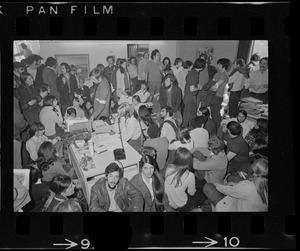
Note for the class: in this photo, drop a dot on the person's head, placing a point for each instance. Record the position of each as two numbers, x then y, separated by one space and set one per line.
215 144
125 110
203 111
19 67
24 46
71 113
73 69
146 55
259 171
34 60
178 62
88 104
169 81
167 62
239 62
123 65
26 79
136 100
62 185
255 57
155 55
153 131
144 86
167 71
263 64
241 116
97 75
234 128
132 60
69 206
43 91
145 115
199 121
223 64
113 174
118 61
81 81
50 100
184 135
110 60
187 65
77 101
148 166
46 156
203 56
36 129
199 64
261 125
64 68
51 62
100 67
166 112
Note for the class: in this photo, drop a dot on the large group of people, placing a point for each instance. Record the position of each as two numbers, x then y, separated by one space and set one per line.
200 161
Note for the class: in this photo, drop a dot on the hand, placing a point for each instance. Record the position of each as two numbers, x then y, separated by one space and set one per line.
32 102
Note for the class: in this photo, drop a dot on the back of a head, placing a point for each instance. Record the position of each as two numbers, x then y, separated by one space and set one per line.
260 167
184 134
205 111
69 206
234 128
36 126
48 100
125 110
153 131
198 121
47 151
216 144
97 73
60 183
199 64
50 61
240 62
183 158
187 64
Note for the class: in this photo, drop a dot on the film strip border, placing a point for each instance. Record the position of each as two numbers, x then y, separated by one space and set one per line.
166 22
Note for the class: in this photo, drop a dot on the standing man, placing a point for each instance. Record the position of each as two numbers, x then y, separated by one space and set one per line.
35 68
221 79
153 71
168 129
101 95
133 74
141 67
50 75
115 193
258 81
190 92
110 72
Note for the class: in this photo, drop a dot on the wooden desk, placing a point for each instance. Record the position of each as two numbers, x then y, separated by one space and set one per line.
88 178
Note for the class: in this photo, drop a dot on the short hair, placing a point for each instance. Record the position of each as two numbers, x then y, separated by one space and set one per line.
35 127
203 56
131 59
33 58
198 121
178 60
167 58
73 68
153 53
136 98
187 64
240 62
69 206
100 67
225 62
23 45
125 110
183 134
48 100
216 144
242 111
18 65
168 70
199 64
50 61
205 111
71 111
234 128
168 109
47 151
67 66
97 73
255 57
60 183
110 57
113 167
265 58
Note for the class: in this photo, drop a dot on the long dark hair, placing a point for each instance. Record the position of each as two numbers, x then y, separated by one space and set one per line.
46 156
122 70
183 161
158 183
145 115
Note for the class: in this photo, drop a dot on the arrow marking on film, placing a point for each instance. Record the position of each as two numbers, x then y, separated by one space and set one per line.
210 242
70 244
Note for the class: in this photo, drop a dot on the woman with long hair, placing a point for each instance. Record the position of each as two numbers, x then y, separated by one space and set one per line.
151 184
250 194
184 140
146 121
180 183
123 80
50 164
167 62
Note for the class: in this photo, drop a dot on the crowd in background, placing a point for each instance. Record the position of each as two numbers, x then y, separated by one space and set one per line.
195 156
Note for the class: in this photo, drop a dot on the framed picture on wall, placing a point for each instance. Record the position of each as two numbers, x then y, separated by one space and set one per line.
137 50
81 61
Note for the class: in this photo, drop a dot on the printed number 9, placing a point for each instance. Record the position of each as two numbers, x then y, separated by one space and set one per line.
85 243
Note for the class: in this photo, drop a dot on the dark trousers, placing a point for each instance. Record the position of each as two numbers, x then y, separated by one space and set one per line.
135 84
233 103
190 109
216 109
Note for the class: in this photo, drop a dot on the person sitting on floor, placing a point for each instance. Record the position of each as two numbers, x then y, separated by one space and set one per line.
151 185
198 133
249 195
115 193
210 125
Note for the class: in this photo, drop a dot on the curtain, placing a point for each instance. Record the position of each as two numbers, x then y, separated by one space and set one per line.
244 49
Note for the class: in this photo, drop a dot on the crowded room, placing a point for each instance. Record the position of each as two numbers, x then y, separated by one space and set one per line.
140 126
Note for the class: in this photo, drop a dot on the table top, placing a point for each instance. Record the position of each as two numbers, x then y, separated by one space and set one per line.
102 160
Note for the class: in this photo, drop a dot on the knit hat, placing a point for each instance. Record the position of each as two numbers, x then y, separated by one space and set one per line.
153 131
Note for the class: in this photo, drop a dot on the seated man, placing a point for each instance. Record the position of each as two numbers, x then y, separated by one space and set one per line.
115 193
198 133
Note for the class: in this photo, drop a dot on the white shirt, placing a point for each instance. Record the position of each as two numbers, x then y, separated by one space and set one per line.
168 131
245 125
143 95
200 137
176 144
259 80
113 205
176 70
130 128
238 81
149 186
49 118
